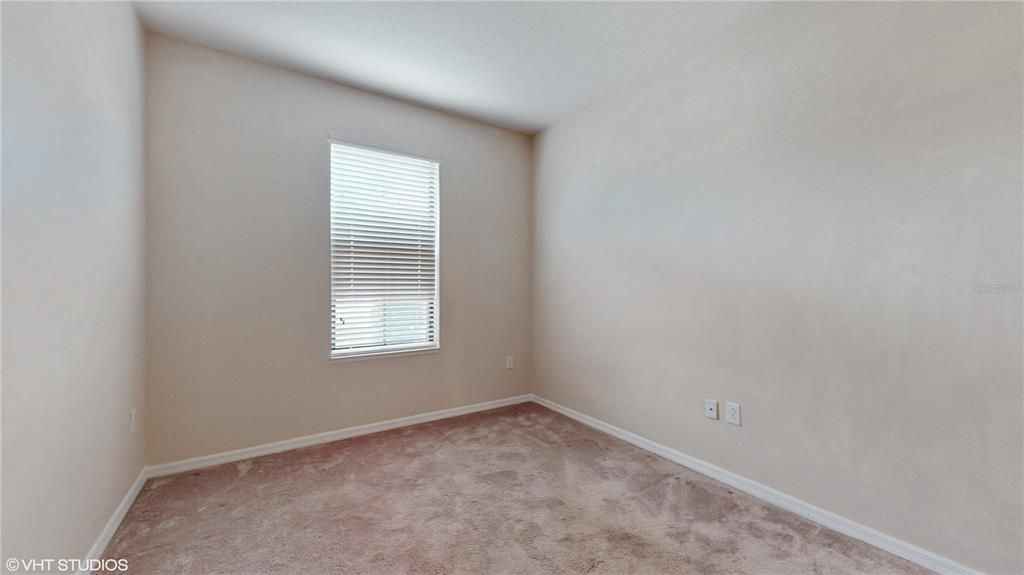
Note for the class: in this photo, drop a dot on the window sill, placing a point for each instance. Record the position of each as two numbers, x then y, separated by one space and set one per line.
393 353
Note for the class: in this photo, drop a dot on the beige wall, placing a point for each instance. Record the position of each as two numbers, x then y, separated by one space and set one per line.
795 217
238 243
72 272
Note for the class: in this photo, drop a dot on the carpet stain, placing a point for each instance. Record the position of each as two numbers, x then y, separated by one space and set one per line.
516 490
243 467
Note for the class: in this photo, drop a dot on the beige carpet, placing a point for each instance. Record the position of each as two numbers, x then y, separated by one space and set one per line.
514 490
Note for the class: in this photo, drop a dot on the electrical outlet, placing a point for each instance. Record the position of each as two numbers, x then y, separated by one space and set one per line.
131 422
510 361
711 408
732 412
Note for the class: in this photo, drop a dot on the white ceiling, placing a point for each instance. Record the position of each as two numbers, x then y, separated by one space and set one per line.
522 65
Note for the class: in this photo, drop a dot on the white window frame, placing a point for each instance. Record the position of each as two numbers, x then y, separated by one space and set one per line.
394 349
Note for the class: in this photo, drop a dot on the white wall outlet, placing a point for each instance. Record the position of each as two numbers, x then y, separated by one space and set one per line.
510 361
132 422
711 408
732 412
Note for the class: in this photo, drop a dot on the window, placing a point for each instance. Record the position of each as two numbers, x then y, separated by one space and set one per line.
384 240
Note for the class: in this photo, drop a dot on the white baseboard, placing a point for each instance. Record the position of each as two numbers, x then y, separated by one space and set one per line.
912 553
115 520
326 437
266 449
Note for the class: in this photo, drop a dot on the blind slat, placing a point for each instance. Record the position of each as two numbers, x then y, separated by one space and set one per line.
376 215
392 178
360 220
353 234
353 204
375 191
380 157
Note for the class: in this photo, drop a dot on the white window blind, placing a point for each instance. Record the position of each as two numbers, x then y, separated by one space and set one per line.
384 241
